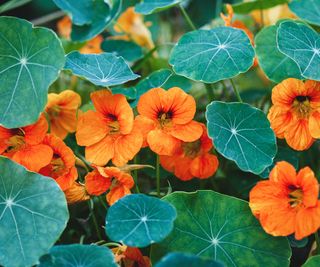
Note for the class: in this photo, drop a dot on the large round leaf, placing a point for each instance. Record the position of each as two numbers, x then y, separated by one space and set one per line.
313 262
302 44
307 10
139 220
78 255
33 214
212 55
219 227
242 133
30 60
150 6
103 69
275 64
248 6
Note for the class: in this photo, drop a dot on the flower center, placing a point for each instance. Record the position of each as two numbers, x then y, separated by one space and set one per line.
57 166
113 124
295 196
17 140
301 105
54 111
191 149
164 118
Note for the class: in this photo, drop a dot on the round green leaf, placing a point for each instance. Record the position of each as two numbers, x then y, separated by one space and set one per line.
181 260
212 55
248 6
275 64
302 44
307 10
27 68
103 69
242 133
312 262
128 50
139 220
78 255
219 227
147 7
33 214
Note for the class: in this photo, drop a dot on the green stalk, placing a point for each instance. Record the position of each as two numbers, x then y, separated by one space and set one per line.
187 18
158 175
135 174
210 93
316 235
94 219
236 91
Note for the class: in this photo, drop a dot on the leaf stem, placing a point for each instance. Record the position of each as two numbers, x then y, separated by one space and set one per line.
210 93
158 174
135 175
187 18
94 219
316 235
236 91
47 18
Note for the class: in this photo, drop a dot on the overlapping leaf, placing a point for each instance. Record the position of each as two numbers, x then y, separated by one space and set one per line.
312 262
307 10
30 221
27 68
152 6
212 55
248 6
242 133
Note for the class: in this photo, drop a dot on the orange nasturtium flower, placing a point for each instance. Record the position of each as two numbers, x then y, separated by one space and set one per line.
109 132
62 112
24 145
192 159
130 257
102 179
131 24
166 119
62 166
288 202
76 193
295 114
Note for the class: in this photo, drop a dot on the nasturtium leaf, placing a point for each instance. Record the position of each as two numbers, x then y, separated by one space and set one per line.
177 259
275 64
33 214
103 15
212 55
302 44
129 92
242 133
128 50
248 6
27 68
78 255
139 220
219 227
103 69
152 6
312 262
307 10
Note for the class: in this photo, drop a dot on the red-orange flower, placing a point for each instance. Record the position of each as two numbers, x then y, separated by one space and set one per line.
76 193
166 119
102 179
62 165
130 257
62 112
295 114
288 202
192 159
24 145
109 132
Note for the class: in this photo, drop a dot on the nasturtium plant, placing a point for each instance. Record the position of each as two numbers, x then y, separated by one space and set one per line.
78 255
243 134
306 10
27 68
104 69
312 262
219 54
139 220
247 6
222 229
33 214
150 6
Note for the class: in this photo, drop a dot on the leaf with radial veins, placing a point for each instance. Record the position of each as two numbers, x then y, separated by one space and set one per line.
242 133
30 222
222 228
275 64
27 68
73 255
147 7
302 44
139 220
212 55
307 10
103 69
248 6
312 262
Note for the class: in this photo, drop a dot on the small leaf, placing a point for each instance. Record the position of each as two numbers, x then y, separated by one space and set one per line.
180 259
242 133
212 55
275 64
307 10
312 262
248 6
139 220
222 228
103 69
128 50
302 44
27 68
30 222
147 7
76 255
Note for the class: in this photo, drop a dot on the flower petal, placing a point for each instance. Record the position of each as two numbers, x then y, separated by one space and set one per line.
314 124
187 132
163 143
96 184
204 166
101 152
